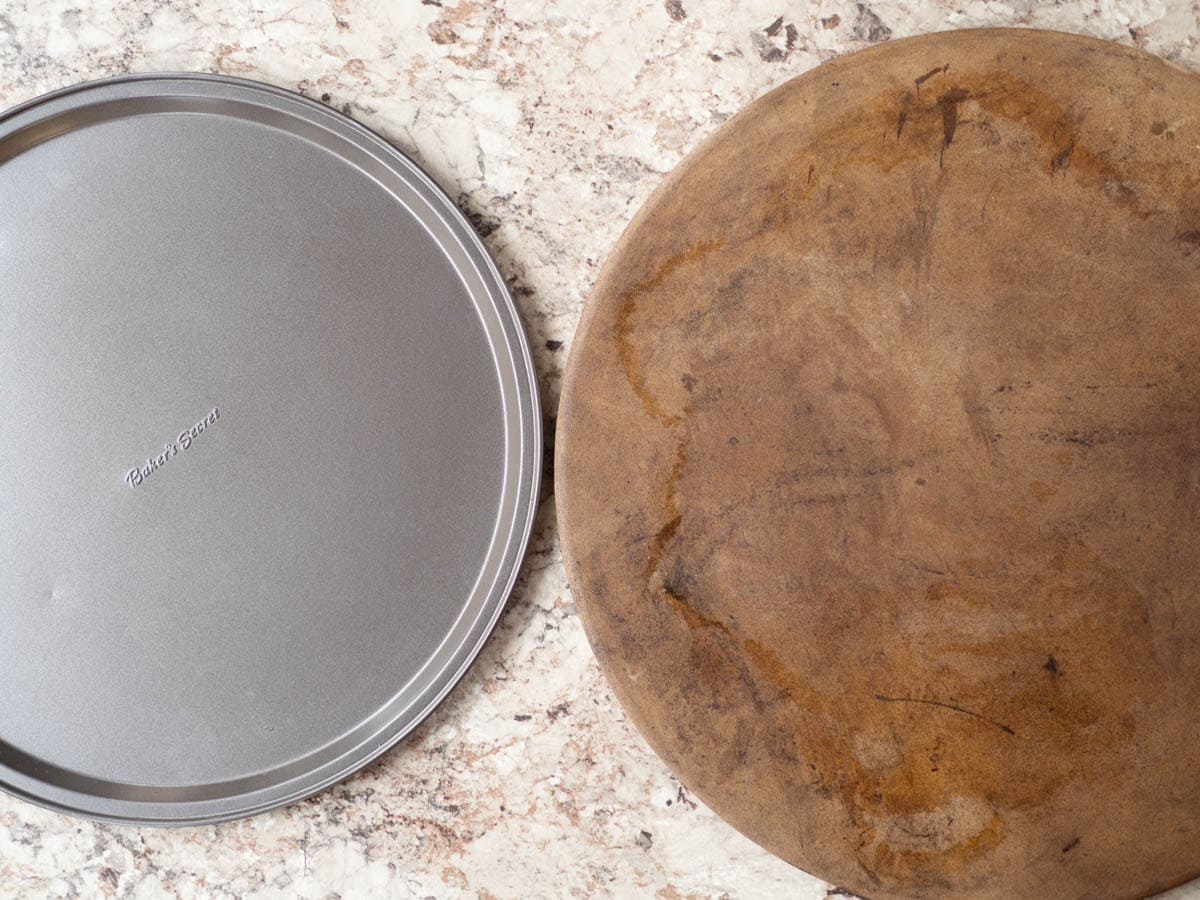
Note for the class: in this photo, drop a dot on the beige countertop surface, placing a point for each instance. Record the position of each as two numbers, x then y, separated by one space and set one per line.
549 123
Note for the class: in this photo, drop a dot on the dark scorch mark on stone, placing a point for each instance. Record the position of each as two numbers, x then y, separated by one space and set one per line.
1052 665
868 26
948 104
885 699
675 10
1084 438
1062 159
553 346
773 29
920 80
1071 846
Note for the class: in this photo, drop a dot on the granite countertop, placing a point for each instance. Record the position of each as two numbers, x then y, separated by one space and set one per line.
550 124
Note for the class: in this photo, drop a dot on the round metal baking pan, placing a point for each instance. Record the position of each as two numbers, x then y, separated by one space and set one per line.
269 452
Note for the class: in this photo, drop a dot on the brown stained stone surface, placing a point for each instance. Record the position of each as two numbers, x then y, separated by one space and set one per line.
878 469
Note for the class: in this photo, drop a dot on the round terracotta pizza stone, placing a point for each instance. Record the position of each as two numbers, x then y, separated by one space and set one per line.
878 469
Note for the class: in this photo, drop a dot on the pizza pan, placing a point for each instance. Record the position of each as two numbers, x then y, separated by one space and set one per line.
269 448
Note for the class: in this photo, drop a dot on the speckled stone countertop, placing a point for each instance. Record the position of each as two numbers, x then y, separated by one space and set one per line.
549 123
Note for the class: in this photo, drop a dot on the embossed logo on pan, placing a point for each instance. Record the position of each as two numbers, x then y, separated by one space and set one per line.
171 449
